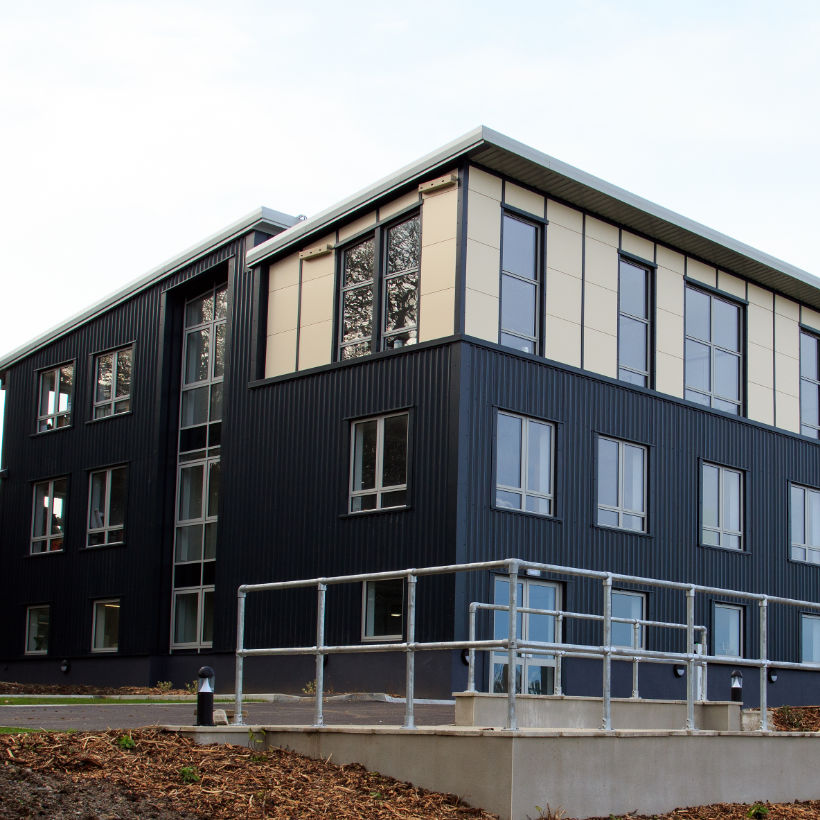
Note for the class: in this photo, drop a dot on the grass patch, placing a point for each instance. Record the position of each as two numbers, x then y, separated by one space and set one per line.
16 730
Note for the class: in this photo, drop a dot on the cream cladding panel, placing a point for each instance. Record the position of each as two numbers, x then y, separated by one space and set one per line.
601 298
669 296
787 363
283 310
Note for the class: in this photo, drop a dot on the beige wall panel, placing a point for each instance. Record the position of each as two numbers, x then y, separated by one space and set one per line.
283 309
483 183
436 314
669 333
319 267
438 266
669 294
484 220
483 268
638 245
564 296
280 354
481 315
563 341
315 344
410 198
284 273
600 352
560 214
761 366
357 226
759 403
787 410
731 284
785 307
601 309
317 300
701 273
670 259
439 217
786 375
602 231
760 296
810 317
565 249
525 200
786 335
669 374
759 325
601 264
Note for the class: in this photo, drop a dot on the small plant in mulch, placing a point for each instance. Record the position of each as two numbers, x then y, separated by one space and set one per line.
126 743
758 811
548 813
164 685
189 774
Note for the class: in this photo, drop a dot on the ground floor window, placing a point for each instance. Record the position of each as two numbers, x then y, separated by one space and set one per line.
727 630
810 638
38 619
106 626
193 617
628 605
382 608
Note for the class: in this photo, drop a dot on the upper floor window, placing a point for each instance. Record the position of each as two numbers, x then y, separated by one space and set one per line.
37 628
805 524
713 351
721 507
727 631
56 396
112 382
49 516
634 323
520 263
524 464
106 507
380 291
809 385
621 485
378 464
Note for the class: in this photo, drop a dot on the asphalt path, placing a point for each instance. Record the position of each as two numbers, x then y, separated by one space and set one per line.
93 717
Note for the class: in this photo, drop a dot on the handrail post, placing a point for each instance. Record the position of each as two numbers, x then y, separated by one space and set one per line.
606 721
410 684
321 592
636 639
690 663
240 658
703 695
471 652
557 689
512 645
764 669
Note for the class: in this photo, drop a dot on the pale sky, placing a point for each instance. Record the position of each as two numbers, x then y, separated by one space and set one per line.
132 130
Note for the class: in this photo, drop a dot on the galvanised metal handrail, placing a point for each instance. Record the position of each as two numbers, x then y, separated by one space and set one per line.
514 566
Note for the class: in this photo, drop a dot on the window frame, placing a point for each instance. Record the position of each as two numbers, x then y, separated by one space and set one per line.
620 510
49 536
805 546
97 405
523 490
200 591
648 321
813 381
387 637
107 528
721 530
29 611
44 419
95 604
629 593
378 284
379 489
740 609
808 616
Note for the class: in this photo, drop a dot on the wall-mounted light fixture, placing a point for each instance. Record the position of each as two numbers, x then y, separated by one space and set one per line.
65 666
772 675
679 670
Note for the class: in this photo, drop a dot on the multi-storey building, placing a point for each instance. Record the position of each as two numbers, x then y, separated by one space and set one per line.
489 354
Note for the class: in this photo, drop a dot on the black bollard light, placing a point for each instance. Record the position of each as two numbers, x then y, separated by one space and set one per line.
737 685
205 697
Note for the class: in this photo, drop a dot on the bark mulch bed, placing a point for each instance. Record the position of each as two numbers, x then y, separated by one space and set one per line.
9 688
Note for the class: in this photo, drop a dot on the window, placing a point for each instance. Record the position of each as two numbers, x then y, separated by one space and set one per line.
56 391
382 603
810 638
106 626
37 624
628 605
378 468
112 380
721 507
381 311
713 361
809 386
520 263
193 617
48 516
728 630
805 524
106 507
621 485
524 464
633 323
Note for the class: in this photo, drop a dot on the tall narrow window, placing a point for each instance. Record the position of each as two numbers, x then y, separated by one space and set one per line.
520 262
805 524
378 464
382 610
524 464
106 507
728 630
810 638
621 485
633 324
38 620
401 285
49 516
105 636
714 364
809 385
56 396
628 605
358 277
112 389
721 507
